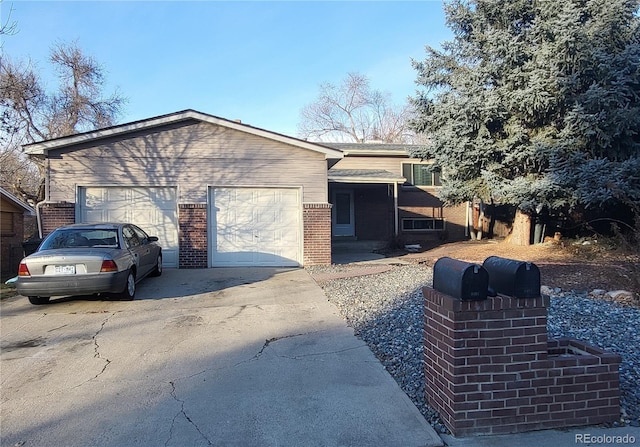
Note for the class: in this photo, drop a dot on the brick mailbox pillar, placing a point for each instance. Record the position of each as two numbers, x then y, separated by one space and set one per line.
489 368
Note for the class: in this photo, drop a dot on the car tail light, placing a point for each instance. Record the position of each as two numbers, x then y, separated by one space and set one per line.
23 270
108 266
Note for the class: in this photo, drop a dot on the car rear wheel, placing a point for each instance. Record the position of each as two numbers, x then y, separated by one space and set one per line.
129 288
157 270
38 299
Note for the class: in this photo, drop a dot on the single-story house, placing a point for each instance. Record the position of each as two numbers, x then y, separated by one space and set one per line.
12 223
219 192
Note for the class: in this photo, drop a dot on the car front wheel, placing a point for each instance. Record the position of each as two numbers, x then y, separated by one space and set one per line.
129 288
157 270
38 299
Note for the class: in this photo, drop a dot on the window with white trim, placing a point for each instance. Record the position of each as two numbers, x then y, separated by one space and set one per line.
423 224
421 174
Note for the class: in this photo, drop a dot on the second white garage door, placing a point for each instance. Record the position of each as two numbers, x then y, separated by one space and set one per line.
255 227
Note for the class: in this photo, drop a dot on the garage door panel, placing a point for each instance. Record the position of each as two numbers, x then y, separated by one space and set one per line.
255 226
233 242
270 258
166 226
153 209
288 219
117 198
236 258
244 196
95 216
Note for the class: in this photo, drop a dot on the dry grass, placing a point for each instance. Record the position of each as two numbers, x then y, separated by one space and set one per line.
581 265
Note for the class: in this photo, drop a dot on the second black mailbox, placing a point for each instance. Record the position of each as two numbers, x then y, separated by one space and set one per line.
518 279
461 280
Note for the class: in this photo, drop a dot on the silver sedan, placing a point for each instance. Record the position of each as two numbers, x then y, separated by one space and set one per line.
85 259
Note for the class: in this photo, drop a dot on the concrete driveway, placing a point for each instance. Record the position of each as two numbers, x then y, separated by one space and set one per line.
229 357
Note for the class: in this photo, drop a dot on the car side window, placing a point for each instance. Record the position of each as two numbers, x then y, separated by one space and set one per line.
141 234
130 237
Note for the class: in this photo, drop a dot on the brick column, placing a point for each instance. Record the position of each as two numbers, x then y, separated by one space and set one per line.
489 368
194 249
54 215
317 233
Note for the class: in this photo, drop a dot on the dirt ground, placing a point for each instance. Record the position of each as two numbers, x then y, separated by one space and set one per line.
582 265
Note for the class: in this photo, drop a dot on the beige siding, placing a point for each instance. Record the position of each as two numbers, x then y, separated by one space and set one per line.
391 164
191 156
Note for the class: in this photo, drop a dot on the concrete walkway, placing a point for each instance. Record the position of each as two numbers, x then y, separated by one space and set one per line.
228 357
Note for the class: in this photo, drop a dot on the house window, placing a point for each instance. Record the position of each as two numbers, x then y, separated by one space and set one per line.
422 224
420 174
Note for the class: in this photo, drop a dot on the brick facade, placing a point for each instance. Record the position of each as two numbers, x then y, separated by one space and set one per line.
490 368
192 220
316 219
54 215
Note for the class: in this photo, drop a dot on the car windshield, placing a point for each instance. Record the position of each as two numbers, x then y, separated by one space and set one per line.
81 238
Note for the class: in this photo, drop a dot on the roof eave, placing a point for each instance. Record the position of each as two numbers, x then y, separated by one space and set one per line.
378 153
356 179
17 202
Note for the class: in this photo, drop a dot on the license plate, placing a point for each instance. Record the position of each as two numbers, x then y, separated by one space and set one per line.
65 269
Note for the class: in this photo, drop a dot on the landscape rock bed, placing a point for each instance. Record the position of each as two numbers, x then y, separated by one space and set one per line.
386 311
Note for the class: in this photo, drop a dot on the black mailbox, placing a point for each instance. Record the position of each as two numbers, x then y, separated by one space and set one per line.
518 279
459 279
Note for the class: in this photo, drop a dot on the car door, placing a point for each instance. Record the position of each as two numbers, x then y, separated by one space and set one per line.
148 251
133 243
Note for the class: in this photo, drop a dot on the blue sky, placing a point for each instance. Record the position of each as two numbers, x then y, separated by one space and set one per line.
259 61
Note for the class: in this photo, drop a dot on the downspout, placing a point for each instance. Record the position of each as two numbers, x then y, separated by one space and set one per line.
466 223
39 217
45 201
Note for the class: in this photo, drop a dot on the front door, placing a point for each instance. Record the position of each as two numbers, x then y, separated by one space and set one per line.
342 217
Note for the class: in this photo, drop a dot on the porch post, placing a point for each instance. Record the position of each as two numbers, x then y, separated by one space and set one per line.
395 208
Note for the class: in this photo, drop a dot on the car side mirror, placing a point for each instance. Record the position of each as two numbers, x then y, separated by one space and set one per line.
152 239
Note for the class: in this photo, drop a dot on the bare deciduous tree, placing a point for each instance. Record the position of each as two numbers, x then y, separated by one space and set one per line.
28 113
352 111
78 105
8 27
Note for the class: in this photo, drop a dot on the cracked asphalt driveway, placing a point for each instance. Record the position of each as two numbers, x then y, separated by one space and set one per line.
246 357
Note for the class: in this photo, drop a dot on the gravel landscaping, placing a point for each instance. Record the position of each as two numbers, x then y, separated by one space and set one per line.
386 311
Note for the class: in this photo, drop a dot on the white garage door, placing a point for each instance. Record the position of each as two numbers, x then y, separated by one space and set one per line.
255 227
152 209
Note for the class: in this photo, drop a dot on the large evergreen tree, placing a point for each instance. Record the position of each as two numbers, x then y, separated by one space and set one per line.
535 102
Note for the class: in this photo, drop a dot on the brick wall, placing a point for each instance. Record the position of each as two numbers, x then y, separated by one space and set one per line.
489 368
317 233
192 221
54 215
